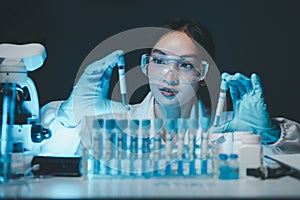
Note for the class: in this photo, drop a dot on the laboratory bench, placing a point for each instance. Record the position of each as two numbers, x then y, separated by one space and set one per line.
107 187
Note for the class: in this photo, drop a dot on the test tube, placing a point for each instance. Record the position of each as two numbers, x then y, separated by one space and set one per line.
123 147
158 124
193 126
170 132
204 122
221 102
145 125
122 80
182 127
133 128
108 155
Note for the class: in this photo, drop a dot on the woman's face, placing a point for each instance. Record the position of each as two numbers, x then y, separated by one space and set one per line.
167 85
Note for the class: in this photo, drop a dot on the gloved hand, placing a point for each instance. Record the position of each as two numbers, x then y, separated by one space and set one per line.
249 108
90 94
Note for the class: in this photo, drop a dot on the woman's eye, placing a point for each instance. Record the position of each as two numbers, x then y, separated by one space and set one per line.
186 66
158 60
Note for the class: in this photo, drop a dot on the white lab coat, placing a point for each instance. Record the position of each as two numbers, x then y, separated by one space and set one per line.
66 141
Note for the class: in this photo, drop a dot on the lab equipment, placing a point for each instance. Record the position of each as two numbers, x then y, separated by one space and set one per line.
87 163
20 115
89 96
122 80
133 131
221 102
141 157
193 127
223 166
182 128
157 127
233 166
189 69
250 155
170 133
205 123
145 134
124 145
237 140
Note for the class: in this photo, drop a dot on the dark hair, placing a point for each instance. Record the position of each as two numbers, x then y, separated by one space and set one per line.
196 31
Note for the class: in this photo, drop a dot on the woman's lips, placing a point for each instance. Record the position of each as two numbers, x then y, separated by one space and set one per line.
167 92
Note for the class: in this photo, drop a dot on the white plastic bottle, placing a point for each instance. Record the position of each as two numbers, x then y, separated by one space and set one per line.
237 140
250 154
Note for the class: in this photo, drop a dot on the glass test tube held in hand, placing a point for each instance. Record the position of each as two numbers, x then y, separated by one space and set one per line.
221 102
122 80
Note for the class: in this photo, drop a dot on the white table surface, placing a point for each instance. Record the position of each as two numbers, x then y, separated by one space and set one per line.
77 187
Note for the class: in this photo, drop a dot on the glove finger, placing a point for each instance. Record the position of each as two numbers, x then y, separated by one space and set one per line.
220 129
104 83
239 85
109 61
256 84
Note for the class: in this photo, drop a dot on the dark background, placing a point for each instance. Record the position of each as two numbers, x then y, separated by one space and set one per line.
259 36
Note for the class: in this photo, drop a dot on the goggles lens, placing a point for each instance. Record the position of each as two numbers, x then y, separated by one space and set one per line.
190 68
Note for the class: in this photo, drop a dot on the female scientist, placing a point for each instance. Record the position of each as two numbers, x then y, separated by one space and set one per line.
176 67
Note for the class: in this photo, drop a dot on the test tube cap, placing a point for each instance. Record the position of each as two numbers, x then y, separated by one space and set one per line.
193 123
223 156
121 61
98 123
134 124
122 124
224 85
146 124
157 123
110 124
233 156
182 123
204 123
170 124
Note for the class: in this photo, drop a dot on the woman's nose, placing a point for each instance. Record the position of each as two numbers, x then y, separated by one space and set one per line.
170 76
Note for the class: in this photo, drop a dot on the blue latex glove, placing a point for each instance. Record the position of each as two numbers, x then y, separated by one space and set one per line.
249 108
90 94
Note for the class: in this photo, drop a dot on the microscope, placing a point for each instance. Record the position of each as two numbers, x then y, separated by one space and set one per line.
19 103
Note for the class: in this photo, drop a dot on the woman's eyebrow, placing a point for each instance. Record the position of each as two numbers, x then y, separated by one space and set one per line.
158 51
192 55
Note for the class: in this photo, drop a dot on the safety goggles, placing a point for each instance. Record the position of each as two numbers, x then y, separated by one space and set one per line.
189 69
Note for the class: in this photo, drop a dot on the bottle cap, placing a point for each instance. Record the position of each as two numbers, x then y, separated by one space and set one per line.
170 124
98 123
146 124
110 124
182 123
158 123
233 156
134 124
122 124
251 139
193 123
204 123
223 156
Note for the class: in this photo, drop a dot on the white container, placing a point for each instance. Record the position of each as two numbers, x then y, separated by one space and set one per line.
250 154
237 140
